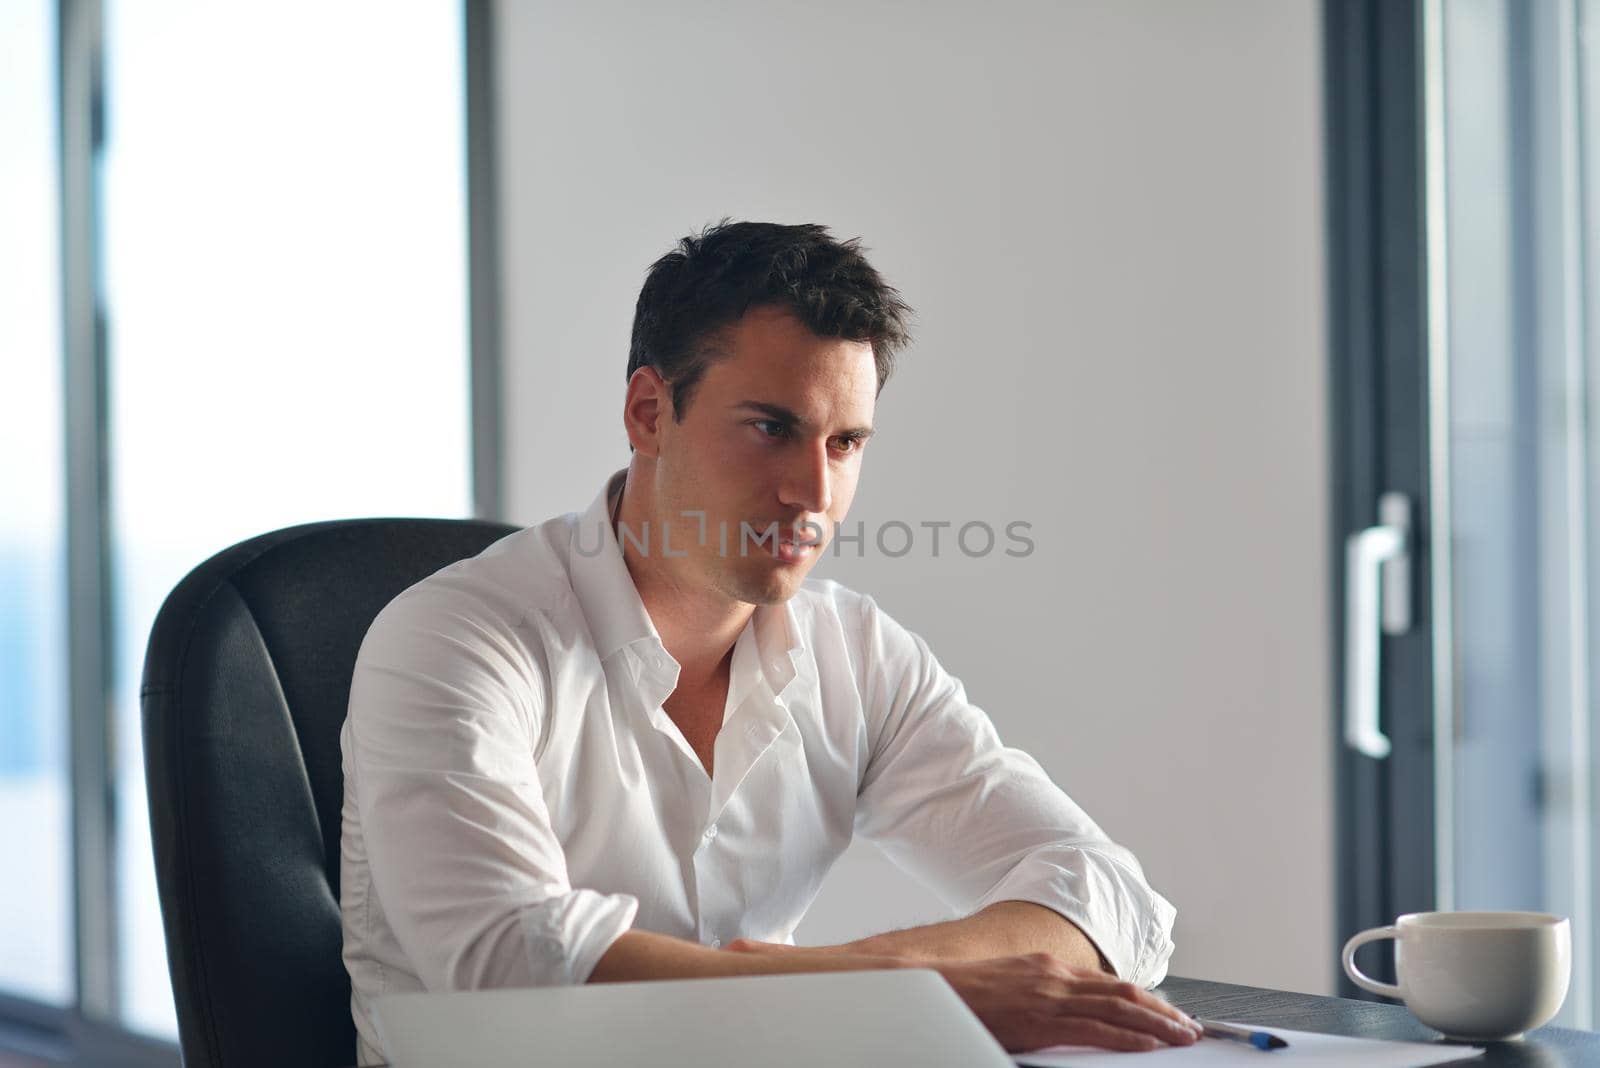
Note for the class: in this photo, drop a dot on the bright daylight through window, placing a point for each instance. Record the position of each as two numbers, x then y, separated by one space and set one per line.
284 282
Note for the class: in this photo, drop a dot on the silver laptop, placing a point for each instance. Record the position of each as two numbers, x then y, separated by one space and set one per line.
877 1018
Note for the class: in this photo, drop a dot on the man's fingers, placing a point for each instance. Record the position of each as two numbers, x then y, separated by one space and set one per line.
1156 1003
1084 1031
1162 1005
1134 994
1130 1015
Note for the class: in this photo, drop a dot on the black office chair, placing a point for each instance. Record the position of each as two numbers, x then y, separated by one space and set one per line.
246 680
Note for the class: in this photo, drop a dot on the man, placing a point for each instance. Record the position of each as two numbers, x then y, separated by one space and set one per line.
629 744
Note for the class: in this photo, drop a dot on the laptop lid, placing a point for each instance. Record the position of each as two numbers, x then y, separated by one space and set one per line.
901 1016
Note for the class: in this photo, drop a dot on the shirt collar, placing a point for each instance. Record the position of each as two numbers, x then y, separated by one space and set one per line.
600 578
617 617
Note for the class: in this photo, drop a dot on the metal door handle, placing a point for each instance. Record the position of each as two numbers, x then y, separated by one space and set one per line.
1377 560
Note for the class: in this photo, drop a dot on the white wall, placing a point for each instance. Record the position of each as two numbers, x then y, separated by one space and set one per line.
1108 216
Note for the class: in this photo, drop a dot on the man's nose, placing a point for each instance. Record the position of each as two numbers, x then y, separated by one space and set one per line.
807 480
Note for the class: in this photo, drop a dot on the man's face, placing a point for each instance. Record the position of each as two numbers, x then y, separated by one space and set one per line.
772 435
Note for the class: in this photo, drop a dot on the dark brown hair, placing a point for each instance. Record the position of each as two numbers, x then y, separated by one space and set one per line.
709 280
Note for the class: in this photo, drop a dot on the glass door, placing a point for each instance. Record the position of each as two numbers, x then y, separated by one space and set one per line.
1463 149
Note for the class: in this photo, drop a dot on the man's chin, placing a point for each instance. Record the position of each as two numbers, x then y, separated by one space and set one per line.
775 586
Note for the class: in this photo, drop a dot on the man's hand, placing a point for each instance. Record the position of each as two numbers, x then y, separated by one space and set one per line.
1034 1000
1031 1001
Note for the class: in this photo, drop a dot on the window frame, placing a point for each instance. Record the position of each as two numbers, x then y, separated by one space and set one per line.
1384 384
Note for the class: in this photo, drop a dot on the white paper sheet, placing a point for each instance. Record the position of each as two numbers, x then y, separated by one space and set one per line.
1304 1048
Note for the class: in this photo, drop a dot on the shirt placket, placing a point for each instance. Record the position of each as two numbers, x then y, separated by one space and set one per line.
750 730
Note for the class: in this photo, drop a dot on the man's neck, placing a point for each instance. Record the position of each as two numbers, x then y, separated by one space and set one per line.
698 626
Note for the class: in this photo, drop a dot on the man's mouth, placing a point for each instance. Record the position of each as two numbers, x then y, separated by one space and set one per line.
794 546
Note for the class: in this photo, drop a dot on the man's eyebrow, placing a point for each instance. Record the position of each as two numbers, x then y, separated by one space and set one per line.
779 413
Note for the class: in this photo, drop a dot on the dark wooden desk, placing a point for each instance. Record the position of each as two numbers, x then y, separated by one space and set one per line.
1548 1047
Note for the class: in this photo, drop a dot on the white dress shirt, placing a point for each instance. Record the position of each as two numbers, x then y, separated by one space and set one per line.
516 798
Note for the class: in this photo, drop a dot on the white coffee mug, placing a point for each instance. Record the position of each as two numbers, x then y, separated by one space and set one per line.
1474 975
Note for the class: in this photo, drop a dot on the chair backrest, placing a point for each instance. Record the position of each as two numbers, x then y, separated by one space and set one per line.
246 681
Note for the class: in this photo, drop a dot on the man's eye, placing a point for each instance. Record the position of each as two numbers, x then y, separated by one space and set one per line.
847 445
771 428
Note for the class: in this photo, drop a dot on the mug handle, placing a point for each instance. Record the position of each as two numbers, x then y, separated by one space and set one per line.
1356 975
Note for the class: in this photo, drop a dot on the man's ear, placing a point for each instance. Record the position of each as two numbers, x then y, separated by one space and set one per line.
645 407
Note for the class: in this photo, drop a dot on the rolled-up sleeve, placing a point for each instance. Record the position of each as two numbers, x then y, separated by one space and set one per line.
980 822
440 753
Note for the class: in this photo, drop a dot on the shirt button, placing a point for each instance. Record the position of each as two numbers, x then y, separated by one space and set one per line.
711 832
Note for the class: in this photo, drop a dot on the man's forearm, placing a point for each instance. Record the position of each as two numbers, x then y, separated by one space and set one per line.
1006 928
647 955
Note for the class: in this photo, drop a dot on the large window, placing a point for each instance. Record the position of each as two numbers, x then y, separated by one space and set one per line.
1518 133
36 910
286 286
279 262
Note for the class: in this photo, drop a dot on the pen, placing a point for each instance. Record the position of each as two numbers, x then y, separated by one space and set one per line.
1259 1039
